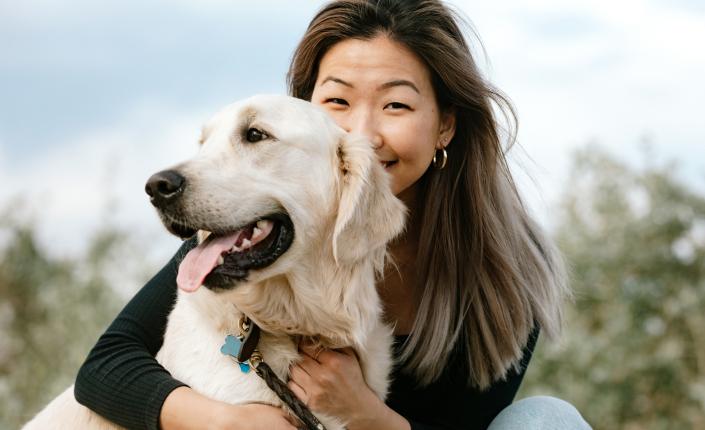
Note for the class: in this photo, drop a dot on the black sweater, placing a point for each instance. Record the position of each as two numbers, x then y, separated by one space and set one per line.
122 380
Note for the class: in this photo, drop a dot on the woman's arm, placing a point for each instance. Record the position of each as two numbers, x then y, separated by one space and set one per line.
185 409
121 380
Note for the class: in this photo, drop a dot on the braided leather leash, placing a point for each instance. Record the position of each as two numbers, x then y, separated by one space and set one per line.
287 396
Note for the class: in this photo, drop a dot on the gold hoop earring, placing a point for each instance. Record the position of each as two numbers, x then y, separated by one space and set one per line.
439 164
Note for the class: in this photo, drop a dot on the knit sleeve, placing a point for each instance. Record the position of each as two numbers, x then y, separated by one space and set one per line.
121 378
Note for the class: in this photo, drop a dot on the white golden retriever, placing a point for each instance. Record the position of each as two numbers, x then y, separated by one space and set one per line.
293 216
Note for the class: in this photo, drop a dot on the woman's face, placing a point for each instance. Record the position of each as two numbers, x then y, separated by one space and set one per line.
380 89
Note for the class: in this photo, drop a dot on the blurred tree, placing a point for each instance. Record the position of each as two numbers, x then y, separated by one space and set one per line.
633 351
52 311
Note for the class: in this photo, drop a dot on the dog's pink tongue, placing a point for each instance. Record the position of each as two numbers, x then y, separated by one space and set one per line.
199 262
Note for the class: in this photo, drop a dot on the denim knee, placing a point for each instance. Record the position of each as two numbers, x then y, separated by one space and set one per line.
539 412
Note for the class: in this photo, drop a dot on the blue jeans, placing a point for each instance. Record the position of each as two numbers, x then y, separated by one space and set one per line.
539 412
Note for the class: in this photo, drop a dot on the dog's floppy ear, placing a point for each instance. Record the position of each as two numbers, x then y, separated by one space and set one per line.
369 215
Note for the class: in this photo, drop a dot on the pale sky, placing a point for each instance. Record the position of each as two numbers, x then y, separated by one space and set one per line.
97 96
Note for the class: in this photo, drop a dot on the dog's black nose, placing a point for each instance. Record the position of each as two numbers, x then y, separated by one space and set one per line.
164 187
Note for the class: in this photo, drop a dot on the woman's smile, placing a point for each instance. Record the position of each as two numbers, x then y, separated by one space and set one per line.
380 89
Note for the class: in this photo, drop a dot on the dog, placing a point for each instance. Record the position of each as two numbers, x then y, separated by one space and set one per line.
293 216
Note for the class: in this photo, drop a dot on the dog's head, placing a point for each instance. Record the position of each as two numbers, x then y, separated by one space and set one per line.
277 191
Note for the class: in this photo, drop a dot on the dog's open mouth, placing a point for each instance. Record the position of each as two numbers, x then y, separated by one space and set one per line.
223 260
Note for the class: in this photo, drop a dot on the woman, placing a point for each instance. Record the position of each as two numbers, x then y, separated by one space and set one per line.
474 278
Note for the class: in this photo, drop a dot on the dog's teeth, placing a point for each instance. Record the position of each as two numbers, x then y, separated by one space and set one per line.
264 224
246 243
221 260
256 233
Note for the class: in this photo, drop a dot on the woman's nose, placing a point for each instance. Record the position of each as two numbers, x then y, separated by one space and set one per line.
364 124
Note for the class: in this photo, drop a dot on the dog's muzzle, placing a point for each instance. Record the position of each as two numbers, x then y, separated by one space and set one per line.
221 261
224 258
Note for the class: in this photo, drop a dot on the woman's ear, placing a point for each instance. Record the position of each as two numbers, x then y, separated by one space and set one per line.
447 127
369 215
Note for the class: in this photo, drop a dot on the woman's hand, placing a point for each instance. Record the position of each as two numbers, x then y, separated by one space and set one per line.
331 382
186 409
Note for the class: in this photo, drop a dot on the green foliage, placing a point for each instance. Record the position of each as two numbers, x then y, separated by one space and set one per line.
633 351
52 311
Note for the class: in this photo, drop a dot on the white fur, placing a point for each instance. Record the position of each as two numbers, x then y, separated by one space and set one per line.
344 213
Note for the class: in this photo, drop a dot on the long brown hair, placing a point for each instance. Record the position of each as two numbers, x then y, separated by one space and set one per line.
489 276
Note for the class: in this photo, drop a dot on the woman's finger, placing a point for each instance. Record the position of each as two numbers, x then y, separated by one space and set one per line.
310 366
310 349
300 375
298 391
348 350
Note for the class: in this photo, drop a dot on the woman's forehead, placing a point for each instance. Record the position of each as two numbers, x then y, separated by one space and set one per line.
379 62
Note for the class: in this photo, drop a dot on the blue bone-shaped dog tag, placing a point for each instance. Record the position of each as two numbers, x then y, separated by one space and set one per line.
232 348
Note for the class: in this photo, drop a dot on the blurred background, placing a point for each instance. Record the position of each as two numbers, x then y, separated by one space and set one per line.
97 96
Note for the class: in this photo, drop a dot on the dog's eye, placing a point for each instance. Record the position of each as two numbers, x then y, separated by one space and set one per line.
254 135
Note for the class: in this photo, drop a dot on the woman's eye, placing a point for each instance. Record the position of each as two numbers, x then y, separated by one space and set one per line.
397 105
255 135
337 101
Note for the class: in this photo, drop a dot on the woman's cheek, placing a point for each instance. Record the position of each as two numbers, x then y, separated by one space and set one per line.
336 115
